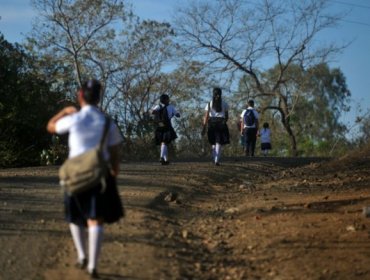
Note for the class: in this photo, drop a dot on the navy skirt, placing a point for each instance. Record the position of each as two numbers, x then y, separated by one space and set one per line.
218 132
95 204
164 135
265 146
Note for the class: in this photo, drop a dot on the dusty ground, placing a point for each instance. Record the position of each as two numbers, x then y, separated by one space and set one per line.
266 218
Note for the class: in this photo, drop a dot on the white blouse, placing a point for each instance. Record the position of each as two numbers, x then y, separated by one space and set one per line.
213 114
171 110
86 129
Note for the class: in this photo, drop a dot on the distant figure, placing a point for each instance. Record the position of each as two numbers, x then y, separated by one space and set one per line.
90 209
265 134
249 128
164 133
215 120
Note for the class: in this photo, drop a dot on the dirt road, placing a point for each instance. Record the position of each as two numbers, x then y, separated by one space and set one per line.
247 219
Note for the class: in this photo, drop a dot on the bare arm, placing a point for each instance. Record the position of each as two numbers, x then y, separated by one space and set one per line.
205 119
64 112
241 125
115 158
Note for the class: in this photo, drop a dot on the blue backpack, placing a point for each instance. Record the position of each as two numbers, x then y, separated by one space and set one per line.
249 118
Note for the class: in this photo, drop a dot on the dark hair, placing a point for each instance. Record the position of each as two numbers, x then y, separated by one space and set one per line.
265 125
91 91
217 103
164 98
251 103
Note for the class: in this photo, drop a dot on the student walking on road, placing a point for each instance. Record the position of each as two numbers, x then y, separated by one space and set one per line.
249 128
90 209
215 119
265 134
164 132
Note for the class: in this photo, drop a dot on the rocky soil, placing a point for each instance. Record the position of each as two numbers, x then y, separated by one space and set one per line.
260 218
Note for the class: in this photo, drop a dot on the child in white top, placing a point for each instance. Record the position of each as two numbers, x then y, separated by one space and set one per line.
265 134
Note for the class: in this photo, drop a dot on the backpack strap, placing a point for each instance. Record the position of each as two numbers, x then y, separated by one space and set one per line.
165 112
102 141
105 132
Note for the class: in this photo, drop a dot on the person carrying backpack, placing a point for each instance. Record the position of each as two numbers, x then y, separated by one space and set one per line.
215 119
164 133
249 128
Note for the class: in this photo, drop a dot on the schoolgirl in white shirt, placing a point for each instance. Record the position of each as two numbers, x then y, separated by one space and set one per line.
215 119
93 208
164 133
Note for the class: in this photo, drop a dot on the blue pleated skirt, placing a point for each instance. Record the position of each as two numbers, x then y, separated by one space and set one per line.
95 204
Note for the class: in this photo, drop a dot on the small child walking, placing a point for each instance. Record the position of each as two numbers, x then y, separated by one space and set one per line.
265 134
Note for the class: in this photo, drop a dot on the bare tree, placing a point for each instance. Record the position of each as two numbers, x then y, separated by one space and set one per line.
103 39
246 37
77 33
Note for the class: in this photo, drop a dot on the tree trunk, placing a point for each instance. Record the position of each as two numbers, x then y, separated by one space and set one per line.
292 139
285 119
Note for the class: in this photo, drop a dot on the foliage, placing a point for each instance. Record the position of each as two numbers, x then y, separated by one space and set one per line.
103 39
26 105
56 153
364 129
269 47
240 37
316 98
77 34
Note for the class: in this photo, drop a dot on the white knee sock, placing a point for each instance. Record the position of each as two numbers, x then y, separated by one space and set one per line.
164 152
218 152
95 240
79 239
213 152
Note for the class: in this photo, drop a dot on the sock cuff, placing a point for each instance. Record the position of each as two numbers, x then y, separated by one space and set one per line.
96 228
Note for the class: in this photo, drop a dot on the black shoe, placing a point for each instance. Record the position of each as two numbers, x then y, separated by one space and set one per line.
81 264
217 163
93 274
162 161
166 162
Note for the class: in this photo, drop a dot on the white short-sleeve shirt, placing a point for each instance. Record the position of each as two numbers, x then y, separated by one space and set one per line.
85 130
213 114
256 115
171 110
